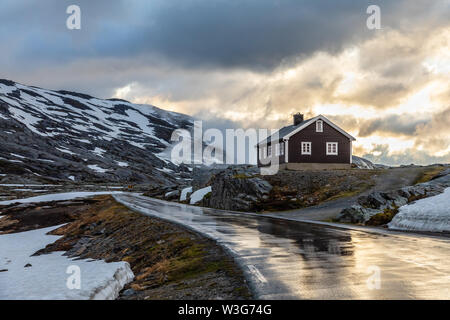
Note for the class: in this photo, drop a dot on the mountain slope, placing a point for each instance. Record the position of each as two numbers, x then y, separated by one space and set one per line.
64 135
362 163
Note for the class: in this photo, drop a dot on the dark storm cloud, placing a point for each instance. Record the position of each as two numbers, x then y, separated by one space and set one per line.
396 124
231 33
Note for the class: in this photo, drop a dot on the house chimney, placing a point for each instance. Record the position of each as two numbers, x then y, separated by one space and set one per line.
298 117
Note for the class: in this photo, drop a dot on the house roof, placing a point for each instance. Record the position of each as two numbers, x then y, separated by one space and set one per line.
282 132
286 132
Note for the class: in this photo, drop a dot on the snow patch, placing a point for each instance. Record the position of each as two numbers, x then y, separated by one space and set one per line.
429 214
65 151
97 168
99 151
83 141
198 195
46 278
167 170
57 197
184 193
17 156
26 118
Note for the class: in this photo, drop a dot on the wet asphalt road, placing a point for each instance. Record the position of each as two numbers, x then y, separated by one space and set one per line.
294 260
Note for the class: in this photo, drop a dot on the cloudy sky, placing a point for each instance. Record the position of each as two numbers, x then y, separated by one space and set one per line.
252 63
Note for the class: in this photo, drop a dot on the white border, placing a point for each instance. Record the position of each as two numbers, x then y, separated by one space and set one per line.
317 125
331 153
310 148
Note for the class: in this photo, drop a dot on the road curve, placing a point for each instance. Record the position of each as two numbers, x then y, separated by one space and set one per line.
295 260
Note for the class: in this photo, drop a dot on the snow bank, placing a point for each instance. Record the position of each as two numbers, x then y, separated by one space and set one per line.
184 193
97 168
122 164
57 197
429 214
199 194
47 276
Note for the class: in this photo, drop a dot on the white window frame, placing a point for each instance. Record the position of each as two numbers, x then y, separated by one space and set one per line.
264 152
303 151
277 150
282 149
269 151
331 153
319 126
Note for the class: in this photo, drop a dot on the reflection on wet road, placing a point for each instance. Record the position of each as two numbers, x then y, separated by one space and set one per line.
294 260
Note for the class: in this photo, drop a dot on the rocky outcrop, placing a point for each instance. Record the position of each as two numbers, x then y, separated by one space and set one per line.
236 189
378 202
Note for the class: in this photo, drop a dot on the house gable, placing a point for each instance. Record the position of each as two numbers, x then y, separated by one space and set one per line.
309 143
317 141
313 121
288 131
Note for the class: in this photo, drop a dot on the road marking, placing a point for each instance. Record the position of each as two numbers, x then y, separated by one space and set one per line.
258 274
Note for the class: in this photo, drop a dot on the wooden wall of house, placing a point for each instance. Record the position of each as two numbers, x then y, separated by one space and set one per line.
281 158
318 145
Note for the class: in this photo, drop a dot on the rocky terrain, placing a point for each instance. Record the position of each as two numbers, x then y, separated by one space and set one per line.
243 188
338 195
62 136
379 208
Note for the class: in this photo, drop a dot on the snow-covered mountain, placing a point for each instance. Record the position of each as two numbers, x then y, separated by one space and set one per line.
64 135
362 163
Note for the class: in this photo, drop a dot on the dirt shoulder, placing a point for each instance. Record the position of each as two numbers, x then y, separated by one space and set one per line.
168 262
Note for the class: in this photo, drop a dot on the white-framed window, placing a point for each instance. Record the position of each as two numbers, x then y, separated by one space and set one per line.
264 152
306 147
319 126
277 149
282 148
269 151
332 148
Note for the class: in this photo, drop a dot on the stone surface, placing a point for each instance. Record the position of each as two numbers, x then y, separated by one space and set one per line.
377 202
236 189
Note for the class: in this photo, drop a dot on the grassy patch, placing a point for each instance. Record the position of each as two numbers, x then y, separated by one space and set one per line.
242 176
428 174
352 192
383 218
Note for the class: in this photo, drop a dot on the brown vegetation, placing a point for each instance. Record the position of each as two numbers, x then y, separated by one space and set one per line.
428 173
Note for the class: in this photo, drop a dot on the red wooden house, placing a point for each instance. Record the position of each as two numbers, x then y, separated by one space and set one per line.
316 143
